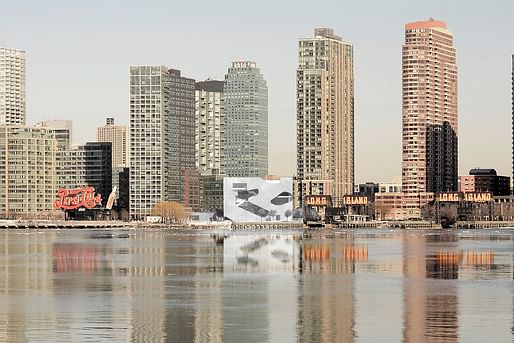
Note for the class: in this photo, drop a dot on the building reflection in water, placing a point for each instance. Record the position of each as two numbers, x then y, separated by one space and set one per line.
208 316
144 284
80 258
25 270
257 308
430 307
111 288
194 266
326 304
157 287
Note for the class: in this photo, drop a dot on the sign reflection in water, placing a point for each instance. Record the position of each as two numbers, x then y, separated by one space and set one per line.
62 286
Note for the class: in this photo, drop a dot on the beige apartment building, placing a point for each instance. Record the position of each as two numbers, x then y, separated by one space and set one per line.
118 136
12 87
325 115
429 115
27 171
62 130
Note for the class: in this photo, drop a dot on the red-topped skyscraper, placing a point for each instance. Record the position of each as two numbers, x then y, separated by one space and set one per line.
429 114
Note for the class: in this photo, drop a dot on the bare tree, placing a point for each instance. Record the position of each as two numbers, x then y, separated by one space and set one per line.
170 212
448 215
288 214
381 210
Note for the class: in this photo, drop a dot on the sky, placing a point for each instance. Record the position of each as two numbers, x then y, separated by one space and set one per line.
79 53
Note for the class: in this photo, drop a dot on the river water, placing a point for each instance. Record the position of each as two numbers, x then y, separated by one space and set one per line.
186 286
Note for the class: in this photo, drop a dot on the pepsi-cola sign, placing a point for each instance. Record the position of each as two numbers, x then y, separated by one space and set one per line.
71 199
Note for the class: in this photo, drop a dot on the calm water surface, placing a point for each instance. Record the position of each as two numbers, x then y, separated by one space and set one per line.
355 286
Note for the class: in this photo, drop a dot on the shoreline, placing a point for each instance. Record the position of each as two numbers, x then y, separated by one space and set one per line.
250 226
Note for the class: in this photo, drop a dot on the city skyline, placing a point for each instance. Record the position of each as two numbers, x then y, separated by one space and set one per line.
484 72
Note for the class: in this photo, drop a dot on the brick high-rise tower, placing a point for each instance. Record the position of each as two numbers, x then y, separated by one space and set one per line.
429 115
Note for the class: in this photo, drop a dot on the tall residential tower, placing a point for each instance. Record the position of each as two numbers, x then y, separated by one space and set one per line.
324 114
246 115
162 137
429 115
12 87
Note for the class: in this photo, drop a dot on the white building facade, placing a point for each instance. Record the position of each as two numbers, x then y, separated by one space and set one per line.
12 87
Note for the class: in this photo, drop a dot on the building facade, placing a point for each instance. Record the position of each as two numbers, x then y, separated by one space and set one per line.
211 196
254 199
88 165
61 129
246 121
12 87
368 189
210 127
27 171
429 114
485 180
117 135
162 136
121 180
325 114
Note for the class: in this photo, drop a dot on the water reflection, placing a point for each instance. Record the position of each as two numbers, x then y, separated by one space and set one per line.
74 258
326 305
194 266
431 308
63 286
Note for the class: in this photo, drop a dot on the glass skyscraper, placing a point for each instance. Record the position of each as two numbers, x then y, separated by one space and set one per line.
246 121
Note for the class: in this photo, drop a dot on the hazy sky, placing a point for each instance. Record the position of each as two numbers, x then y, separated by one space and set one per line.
79 53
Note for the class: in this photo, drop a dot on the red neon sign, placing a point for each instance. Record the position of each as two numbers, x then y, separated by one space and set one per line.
71 199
